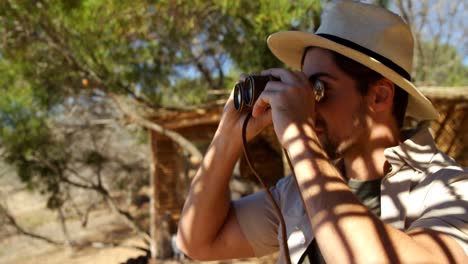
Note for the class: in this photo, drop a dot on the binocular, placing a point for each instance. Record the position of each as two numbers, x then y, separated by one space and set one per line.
247 92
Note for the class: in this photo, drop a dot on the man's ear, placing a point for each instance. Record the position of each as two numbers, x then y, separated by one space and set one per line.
381 95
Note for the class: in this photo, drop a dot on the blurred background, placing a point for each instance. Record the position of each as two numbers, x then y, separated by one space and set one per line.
106 108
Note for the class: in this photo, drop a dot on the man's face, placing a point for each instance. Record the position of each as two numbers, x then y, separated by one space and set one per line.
341 114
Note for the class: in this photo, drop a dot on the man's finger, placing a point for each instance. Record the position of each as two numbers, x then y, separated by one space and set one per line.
262 103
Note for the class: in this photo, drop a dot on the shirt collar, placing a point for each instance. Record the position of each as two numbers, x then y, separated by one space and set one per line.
417 151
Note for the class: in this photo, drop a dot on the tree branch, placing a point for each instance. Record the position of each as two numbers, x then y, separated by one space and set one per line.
195 154
12 221
127 218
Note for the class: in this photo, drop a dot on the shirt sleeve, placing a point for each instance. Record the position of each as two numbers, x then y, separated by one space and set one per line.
258 219
445 208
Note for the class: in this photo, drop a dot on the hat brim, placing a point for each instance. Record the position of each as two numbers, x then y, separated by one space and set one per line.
289 46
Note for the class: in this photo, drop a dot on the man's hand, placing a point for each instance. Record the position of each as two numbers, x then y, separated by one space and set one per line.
232 120
290 102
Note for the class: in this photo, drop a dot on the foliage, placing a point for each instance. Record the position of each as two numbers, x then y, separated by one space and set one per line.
253 21
142 48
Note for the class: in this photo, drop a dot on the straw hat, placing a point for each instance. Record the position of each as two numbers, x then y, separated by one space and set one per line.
368 34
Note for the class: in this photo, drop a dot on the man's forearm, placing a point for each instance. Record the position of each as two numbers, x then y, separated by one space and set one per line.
346 231
208 202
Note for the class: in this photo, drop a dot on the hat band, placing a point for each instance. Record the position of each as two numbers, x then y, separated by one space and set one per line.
369 53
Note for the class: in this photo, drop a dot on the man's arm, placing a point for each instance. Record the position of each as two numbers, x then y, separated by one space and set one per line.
208 228
346 231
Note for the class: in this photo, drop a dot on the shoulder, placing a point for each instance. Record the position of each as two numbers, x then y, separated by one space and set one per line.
440 203
451 180
445 175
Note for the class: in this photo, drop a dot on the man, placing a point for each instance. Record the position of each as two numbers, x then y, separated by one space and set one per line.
388 199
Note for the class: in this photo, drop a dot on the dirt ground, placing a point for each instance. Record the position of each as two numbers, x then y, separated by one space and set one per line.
29 210
21 249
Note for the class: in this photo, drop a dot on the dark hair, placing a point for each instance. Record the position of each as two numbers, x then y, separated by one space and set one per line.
365 77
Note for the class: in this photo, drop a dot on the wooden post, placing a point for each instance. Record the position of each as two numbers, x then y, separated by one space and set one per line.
163 168
154 204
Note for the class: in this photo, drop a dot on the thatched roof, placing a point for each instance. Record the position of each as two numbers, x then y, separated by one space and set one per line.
451 129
